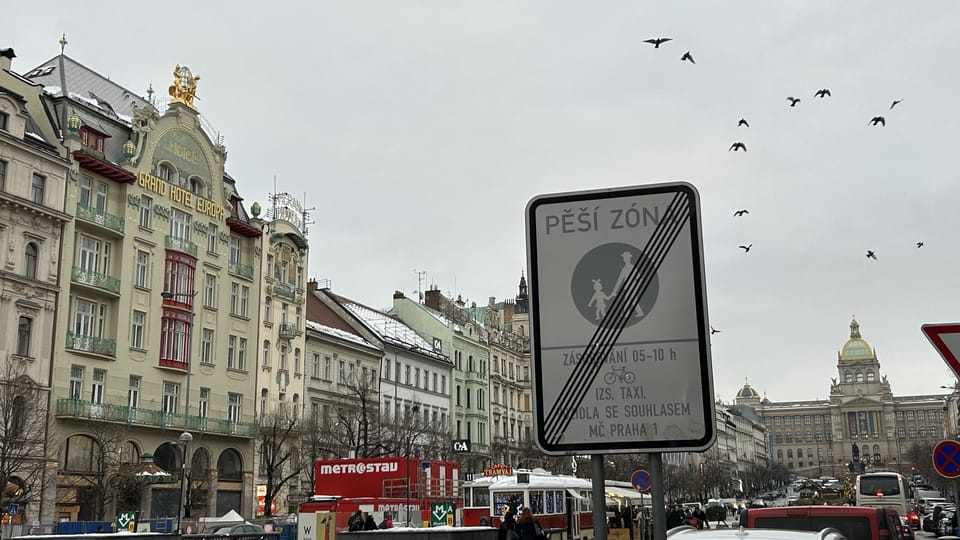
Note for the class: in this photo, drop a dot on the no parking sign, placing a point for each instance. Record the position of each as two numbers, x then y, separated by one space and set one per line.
946 458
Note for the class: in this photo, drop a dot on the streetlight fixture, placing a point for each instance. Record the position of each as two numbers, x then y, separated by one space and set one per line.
185 439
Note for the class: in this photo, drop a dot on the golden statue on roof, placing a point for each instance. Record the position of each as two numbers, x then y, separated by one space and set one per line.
184 87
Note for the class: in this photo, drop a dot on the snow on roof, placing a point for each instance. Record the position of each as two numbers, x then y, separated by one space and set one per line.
52 90
390 329
338 333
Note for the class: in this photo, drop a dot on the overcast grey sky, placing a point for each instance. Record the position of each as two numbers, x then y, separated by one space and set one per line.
420 129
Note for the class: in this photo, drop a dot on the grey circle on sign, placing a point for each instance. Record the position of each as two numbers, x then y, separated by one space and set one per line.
600 274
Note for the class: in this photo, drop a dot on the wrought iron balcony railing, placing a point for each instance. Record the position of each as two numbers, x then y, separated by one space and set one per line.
95 279
92 215
179 244
80 409
90 344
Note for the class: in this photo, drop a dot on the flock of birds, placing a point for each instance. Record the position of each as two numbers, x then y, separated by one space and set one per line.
739 145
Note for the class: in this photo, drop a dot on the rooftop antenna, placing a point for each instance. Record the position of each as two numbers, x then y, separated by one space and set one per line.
306 212
421 275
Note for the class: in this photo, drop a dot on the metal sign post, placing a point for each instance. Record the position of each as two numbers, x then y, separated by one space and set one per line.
599 498
659 514
619 330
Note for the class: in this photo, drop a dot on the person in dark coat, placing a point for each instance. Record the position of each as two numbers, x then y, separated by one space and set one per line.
627 519
355 523
675 517
528 528
369 524
507 526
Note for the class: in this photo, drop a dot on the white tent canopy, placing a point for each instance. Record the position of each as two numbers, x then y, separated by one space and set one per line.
631 496
230 517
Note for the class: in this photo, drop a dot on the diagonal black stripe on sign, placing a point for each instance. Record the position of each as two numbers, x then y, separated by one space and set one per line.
604 339
616 318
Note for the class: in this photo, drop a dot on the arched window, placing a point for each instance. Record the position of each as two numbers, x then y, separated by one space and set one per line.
130 453
296 360
81 455
30 256
859 376
200 463
24 333
230 466
780 454
789 453
197 186
870 376
166 172
167 456
847 376
266 353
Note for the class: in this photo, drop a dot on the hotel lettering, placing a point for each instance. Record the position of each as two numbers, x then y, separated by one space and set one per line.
181 196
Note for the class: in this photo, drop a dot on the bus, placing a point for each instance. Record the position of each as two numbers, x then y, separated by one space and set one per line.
884 490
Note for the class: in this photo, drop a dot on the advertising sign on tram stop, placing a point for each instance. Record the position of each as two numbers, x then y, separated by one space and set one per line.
618 313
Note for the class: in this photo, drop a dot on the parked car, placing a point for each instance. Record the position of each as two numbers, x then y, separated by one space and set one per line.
686 532
854 522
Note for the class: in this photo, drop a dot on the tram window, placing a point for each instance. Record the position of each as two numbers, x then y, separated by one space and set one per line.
481 496
559 496
536 502
549 502
505 500
586 503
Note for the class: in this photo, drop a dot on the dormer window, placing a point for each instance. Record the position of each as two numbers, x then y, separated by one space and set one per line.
91 139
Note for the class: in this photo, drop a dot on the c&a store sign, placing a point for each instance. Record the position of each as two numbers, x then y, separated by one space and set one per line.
181 196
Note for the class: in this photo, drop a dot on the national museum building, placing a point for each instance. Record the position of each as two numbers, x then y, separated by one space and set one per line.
862 419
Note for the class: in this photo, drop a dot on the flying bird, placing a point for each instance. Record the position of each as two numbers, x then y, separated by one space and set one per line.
656 42
743 122
871 255
793 101
823 92
919 244
878 120
894 104
714 331
687 56
746 249
739 213
738 146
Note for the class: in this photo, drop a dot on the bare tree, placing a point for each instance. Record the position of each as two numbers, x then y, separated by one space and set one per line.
23 436
98 464
278 438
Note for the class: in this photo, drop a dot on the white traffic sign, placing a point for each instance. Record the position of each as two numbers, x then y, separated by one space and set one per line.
619 324
945 337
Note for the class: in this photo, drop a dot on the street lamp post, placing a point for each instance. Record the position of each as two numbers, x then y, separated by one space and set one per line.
185 437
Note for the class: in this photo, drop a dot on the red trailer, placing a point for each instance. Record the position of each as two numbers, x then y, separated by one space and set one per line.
404 487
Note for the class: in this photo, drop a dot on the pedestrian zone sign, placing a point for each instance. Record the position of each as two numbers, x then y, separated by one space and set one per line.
619 330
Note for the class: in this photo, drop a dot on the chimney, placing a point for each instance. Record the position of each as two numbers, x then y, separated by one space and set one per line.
398 295
493 301
311 285
432 299
6 58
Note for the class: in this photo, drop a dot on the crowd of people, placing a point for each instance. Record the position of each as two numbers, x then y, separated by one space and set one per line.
363 521
525 527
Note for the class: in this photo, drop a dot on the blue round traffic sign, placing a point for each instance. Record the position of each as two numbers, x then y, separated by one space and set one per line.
640 480
946 458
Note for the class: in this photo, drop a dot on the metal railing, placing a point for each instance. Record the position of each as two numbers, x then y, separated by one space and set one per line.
284 289
92 215
76 408
179 244
288 331
95 279
242 270
79 342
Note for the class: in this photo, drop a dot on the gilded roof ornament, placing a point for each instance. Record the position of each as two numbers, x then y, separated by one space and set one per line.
184 87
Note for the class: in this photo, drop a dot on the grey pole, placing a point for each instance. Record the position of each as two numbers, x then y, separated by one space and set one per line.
599 498
657 496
